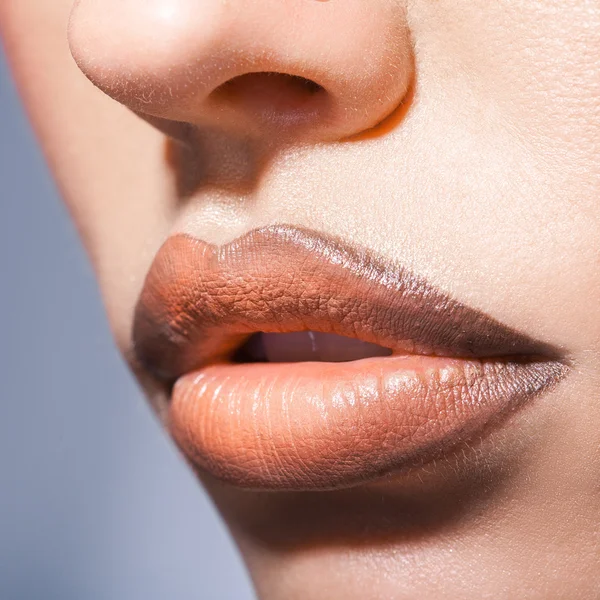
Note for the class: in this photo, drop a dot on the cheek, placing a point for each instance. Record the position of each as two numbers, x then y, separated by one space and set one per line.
509 117
535 62
109 164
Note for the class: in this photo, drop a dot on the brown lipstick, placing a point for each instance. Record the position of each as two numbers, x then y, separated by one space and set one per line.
435 372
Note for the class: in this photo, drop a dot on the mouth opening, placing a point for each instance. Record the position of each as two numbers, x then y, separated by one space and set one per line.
305 346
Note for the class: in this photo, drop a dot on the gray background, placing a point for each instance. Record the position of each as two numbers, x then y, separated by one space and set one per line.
94 501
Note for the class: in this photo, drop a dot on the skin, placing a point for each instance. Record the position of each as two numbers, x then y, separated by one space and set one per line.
485 182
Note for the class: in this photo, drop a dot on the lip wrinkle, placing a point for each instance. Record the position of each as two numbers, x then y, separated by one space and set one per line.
455 372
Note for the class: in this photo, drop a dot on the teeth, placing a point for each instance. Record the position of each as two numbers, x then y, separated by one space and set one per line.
314 346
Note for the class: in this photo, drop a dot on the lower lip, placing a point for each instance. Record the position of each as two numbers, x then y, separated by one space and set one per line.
311 425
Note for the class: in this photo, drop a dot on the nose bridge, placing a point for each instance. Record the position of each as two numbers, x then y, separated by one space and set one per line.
167 57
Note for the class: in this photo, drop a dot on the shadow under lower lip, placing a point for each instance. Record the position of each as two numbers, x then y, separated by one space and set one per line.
413 506
309 426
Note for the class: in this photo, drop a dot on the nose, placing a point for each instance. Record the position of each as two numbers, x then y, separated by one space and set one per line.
318 69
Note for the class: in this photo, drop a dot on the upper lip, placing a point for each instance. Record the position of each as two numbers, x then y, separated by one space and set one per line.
308 426
201 301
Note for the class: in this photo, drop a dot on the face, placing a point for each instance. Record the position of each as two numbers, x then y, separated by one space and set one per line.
351 252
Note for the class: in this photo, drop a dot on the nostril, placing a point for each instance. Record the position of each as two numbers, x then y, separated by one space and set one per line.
278 98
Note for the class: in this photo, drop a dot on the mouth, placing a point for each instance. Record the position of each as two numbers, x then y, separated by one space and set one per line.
298 362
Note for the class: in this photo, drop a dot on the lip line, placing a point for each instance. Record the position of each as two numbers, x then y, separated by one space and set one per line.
200 302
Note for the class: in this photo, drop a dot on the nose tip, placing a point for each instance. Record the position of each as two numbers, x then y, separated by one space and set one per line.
319 69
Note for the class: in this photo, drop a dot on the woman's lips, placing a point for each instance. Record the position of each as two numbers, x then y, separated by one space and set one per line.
320 425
